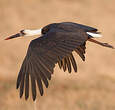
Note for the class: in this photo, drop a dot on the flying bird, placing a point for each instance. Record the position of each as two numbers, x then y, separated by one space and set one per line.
55 44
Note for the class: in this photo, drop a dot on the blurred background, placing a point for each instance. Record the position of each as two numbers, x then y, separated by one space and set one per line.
92 88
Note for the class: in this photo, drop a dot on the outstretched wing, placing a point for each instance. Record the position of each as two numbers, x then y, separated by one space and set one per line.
43 53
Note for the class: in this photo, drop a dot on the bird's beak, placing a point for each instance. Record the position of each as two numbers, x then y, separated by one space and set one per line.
13 36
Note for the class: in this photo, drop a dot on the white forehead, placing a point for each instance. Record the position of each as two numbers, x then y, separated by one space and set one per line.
29 32
32 31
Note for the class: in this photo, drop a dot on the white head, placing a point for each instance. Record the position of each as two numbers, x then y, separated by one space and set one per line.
26 32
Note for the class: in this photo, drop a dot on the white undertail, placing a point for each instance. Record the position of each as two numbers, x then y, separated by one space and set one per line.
94 34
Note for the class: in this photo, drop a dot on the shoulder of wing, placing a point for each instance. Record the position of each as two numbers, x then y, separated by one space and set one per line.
78 26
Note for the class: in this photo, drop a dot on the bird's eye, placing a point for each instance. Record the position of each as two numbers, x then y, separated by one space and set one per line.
45 30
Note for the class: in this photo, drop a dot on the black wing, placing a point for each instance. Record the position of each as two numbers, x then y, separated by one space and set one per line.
43 53
80 50
75 26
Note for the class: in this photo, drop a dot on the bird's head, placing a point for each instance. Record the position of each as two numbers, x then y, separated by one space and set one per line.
24 33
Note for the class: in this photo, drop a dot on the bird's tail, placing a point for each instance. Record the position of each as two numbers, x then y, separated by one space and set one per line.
94 34
100 43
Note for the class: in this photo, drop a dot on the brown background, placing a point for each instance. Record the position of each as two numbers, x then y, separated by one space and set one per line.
92 88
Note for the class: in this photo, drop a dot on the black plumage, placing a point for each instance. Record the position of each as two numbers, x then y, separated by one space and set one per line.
55 45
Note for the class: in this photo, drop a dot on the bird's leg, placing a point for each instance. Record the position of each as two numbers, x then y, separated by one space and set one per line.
35 108
100 43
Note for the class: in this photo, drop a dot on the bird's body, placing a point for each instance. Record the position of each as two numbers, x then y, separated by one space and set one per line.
55 45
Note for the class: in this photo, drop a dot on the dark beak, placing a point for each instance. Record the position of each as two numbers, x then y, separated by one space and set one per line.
13 36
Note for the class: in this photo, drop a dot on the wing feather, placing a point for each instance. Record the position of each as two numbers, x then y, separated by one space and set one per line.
60 63
42 55
41 74
68 64
73 62
22 71
42 68
80 54
64 64
27 84
39 82
33 78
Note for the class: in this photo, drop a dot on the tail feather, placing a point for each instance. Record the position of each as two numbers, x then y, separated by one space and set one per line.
94 34
100 43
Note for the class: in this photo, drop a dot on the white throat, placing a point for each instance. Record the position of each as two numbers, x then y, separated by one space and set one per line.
32 32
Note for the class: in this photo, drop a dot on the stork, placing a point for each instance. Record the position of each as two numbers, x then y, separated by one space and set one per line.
55 44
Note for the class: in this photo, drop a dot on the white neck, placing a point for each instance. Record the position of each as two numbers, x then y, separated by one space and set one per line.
32 32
